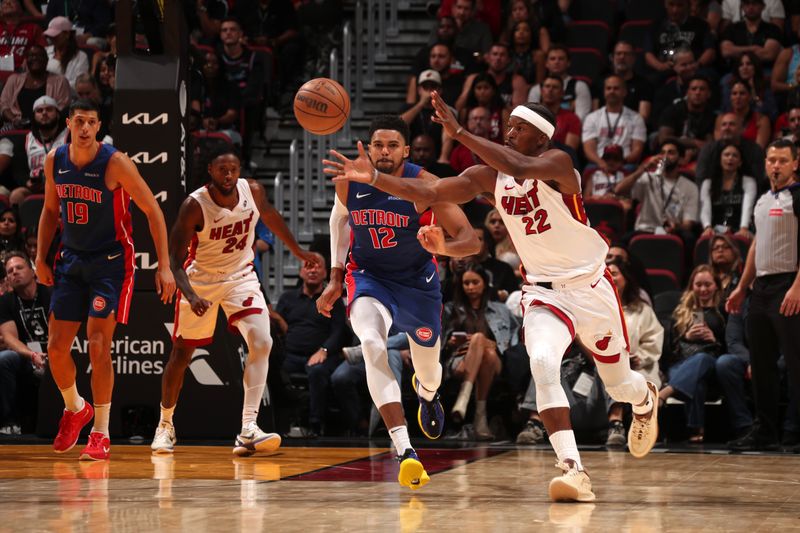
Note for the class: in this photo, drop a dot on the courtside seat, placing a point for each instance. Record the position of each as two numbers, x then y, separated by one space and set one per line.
659 251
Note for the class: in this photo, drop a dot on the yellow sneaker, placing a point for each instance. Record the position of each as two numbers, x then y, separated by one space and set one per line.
572 486
643 433
412 473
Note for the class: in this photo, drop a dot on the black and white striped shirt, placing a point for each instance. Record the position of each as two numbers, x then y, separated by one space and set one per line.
776 219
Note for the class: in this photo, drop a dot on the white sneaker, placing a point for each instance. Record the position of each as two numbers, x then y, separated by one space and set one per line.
572 486
643 433
252 440
164 441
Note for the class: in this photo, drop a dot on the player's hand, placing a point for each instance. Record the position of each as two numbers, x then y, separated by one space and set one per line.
444 115
307 257
359 169
44 273
199 305
734 302
432 239
332 292
165 284
791 301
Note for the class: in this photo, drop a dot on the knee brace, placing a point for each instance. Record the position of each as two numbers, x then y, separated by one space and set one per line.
426 364
371 321
546 339
255 330
622 383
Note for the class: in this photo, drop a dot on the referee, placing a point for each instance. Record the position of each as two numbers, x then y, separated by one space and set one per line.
773 323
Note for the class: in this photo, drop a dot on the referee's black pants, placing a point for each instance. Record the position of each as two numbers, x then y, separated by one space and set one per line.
771 334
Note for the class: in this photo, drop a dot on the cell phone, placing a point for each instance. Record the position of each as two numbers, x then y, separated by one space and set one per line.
698 317
459 335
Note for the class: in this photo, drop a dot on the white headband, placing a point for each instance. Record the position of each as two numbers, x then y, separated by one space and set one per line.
529 115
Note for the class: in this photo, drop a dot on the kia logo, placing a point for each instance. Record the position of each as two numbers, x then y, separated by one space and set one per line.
145 119
146 158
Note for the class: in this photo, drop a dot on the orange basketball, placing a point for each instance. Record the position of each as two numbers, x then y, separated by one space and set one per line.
321 106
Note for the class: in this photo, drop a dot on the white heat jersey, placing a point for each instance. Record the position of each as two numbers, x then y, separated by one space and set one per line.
549 230
223 249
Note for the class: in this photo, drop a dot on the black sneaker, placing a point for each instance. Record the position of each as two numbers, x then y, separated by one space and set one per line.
754 440
617 438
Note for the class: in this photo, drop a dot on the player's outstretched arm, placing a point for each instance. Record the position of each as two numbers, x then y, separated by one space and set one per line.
553 165
48 222
189 222
124 172
340 244
463 240
457 189
276 224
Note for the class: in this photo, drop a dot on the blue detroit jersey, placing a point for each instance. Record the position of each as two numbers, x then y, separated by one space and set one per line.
93 218
384 231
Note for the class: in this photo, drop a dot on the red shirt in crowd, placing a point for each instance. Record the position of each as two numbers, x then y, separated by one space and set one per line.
15 39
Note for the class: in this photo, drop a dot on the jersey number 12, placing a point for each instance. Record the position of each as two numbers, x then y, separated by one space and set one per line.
385 240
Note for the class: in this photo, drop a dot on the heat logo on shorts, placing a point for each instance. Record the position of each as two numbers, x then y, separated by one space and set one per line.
424 334
99 303
602 343
248 302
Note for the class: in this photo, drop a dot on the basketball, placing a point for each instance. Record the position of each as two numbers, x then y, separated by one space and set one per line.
321 106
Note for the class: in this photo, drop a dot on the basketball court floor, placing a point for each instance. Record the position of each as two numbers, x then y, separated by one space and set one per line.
486 488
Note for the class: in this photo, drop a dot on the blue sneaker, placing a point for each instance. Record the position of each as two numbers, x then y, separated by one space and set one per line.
412 474
430 414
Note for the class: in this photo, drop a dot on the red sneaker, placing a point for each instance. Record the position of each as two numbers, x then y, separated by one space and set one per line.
70 427
98 448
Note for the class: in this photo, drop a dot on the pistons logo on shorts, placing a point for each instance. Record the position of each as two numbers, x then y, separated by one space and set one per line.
99 303
424 334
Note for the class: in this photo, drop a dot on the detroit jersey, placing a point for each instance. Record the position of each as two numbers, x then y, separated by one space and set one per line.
549 230
93 218
224 247
384 231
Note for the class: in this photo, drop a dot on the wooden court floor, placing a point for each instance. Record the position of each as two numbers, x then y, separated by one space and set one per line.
203 488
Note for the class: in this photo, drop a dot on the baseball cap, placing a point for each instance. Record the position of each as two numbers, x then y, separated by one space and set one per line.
429 76
613 150
45 101
58 25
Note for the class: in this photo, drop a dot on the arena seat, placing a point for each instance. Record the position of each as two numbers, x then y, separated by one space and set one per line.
602 10
586 63
594 34
659 251
635 32
606 210
30 209
662 281
644 10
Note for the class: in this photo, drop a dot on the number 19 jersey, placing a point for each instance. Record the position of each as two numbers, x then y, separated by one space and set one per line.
224 247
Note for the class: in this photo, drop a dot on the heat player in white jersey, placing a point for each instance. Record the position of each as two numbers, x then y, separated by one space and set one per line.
211 249
568 292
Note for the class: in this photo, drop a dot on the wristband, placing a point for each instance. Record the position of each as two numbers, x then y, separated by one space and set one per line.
458 131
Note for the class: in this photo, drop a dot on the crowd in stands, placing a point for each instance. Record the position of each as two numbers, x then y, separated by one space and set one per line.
667 108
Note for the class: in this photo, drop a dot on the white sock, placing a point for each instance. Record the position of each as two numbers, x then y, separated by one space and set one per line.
480 412
644 408
563 442
252 401
102 412
400 439
72 400
166 414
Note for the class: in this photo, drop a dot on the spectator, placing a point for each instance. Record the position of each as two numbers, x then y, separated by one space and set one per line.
246 71
602 183
732 369
10 231
791 131
206 18
708 10
674 89
698 339
99 55
729 129
477 331
613 124
726 263
106 82
773 322
23 326
452 82
471 33
784 72
727 196
669 200
618 251
512 88
484 92
527 53
274 23
751 34
577 96
418 114
771 11
747 68
756 127
502 279
522 11
23 89
423 153
313 342
487 11
48 132
91 18
691 119
64 56
640 90
463 60
679 29
568 125
219 101
478 123
16 36
501 243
